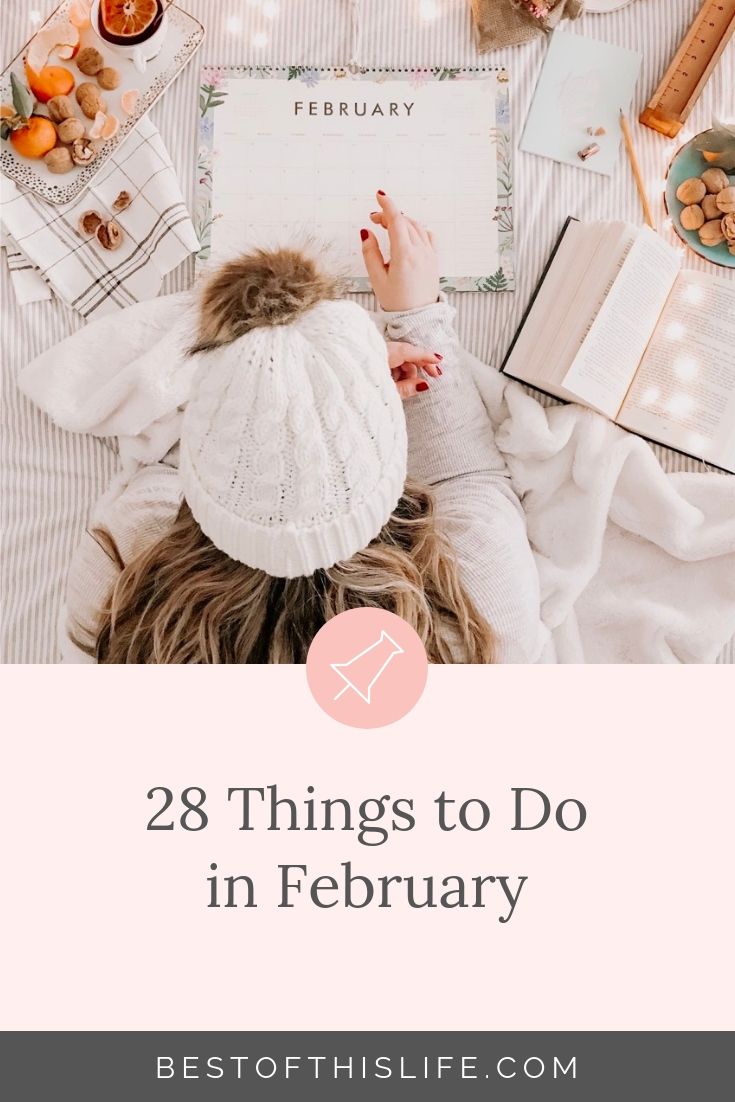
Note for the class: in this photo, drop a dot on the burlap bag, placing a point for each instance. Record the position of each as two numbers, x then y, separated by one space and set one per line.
498 23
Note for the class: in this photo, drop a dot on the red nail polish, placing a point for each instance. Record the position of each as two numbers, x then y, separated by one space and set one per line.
381 192
438 355
439 370
421 387
364 235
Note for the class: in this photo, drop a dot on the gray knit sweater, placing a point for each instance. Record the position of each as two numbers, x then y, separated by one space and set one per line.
450 447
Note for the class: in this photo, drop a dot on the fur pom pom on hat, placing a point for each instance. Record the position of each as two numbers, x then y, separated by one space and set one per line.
293 448
260 288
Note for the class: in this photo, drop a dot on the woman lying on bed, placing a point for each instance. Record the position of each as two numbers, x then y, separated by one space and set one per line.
303 486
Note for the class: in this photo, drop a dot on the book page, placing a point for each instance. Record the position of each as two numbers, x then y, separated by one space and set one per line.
298 156
586 263
612 350
684 392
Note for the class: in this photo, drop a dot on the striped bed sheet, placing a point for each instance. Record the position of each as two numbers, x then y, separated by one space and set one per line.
50 479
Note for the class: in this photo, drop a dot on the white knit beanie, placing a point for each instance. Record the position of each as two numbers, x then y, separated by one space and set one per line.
293 448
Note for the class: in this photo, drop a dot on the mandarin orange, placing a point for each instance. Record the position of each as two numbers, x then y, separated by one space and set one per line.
52 80
36 139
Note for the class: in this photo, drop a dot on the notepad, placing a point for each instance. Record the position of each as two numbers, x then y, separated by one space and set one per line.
583 86
288 155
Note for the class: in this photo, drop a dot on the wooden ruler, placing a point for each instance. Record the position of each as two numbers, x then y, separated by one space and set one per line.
691 67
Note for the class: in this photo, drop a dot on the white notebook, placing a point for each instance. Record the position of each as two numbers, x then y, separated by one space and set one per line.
291 154
584 85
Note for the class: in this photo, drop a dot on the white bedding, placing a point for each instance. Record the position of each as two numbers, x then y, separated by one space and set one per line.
634 565
51 478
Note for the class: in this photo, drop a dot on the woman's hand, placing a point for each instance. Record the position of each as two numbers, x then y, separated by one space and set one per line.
410 278
406 361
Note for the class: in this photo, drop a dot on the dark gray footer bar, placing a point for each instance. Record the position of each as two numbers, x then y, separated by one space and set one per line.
507 1067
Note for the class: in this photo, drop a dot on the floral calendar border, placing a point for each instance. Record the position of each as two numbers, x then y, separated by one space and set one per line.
213 91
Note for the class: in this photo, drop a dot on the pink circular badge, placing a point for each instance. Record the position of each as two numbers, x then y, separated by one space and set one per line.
366 667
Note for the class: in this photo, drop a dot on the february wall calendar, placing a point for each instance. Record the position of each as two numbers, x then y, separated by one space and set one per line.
295 156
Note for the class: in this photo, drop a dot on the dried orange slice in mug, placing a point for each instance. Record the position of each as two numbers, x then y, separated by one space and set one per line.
128 18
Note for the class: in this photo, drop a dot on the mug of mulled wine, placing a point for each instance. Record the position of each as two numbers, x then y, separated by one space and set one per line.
134 28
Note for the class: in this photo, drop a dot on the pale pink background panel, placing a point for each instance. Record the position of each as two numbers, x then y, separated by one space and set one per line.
625 924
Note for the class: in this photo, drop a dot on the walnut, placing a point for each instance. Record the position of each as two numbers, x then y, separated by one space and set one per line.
714 179
89 223
108 78
710 234
59 160
86 88
69 130
89 61
109 235
84 151
60 108
91 107
688 192
710 208
692 217
727 225
123 201
89 99
725 200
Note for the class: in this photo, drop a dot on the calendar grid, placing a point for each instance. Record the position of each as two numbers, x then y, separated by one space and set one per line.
296 154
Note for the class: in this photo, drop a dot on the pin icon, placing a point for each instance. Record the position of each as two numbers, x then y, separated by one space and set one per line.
366 656
363 671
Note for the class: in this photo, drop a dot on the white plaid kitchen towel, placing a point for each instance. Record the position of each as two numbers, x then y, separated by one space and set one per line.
24 276
158 232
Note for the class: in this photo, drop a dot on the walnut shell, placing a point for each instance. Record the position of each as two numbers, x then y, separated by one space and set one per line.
84 151
710 234
108 78
70 129
89 223
727 225
714 179
710 208
725 200
123 201
60 108
109 235
89 61
59 160
692 217
689 191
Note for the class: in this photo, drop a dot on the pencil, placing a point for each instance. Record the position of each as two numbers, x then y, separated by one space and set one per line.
628 138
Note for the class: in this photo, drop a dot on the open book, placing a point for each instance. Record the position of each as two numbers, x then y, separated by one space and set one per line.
617 325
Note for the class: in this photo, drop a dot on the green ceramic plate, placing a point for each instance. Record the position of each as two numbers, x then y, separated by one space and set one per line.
690 162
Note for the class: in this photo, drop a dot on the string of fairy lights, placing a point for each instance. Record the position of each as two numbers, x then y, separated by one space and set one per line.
269 10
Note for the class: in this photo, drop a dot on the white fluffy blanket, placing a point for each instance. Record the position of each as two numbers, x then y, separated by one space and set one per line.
635 565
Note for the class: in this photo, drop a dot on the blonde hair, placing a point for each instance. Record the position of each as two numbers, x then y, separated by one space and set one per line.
184 601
